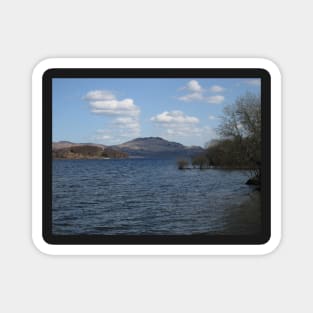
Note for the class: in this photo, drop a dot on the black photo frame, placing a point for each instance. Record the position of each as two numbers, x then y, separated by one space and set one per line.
248 73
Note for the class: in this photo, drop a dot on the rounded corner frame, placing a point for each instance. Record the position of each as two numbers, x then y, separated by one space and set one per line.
276 155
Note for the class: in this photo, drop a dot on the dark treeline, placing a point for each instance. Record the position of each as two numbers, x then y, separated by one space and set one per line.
239 143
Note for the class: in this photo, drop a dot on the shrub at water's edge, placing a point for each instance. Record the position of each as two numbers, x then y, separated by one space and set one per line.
200 161
182 164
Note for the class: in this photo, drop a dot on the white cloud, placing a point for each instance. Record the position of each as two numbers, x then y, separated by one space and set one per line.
192 96
106 137
114 107
195 89
194 86
183 131
216 89
174 117
102 136
192 133
129 121
215 99
176 123
105 103
99 95
198 93
177 126
125 122
129 125
119 130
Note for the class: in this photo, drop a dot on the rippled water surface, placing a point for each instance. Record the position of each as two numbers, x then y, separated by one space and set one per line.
149 196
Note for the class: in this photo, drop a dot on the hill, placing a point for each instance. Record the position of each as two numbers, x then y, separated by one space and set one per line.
147 147
67 144
86 151
156 147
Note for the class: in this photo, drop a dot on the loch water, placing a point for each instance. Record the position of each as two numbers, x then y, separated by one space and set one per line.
150 197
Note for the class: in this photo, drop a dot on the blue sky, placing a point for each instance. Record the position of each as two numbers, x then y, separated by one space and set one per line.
115 110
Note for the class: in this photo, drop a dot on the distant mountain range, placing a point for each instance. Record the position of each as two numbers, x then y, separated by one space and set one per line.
147 147
156 147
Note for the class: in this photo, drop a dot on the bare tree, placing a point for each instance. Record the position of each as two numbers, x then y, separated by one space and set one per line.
242 124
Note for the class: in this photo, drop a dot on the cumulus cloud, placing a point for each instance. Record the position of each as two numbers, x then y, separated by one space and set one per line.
192 96
119 129
128 126
174 117
124 122
190 132
176 125
215 99
95 95
114 107
198 93
216 89
195 91
194 86
131 122
105 103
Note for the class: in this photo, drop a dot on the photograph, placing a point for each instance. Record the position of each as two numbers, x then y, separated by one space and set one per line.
156 156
